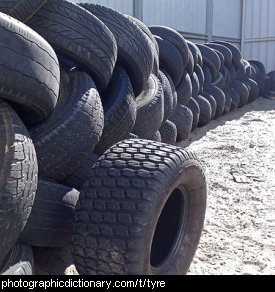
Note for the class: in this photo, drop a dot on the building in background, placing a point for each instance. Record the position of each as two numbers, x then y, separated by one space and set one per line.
249 24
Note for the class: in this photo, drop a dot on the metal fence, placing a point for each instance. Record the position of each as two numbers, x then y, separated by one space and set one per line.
249 24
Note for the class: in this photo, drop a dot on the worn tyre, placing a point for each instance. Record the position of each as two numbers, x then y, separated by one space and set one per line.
219 82
205 111
254 89
156 137
195 85
191 64
150 109
21 10
174 38
235 98
170 60
241 72
28 66
134 47
207 76
183 119
184 89
79 35
18 262
227 54
233 74
120 111
243 92
212 102
50 221
219 97
200 74
150 230
69 136
195 109
168 132
236 54
18 177
228 103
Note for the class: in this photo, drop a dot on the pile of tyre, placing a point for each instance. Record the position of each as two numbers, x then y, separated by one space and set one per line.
87 96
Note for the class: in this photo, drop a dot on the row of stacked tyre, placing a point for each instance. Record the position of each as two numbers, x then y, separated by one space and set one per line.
76 80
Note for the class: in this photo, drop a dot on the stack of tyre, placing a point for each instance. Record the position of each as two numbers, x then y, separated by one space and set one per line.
270 85
75 81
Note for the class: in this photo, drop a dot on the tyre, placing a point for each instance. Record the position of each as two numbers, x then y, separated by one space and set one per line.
261 69
227 54
195 109
50 221
183 119
250 72
221 57
191 64
156 137
236 54
21 10
211 59
271 75
18 177
80 36
241 72
220 99
233 74
169 94
134 49
133 136
168 132
150 109
194 51
207 76
199 72
28 66
212 102
205 111
227 78
174 38
153 43
184 89
120 111
151 231
70 135
243 92
253 89
235 98
219 82
170 60
228 103
18 262
195 85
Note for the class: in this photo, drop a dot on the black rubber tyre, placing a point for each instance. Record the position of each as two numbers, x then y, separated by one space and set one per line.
18 177
241 72
191 64
174 38
227 54
205 111
194 51
236 54
221 57
168 132
152 41
151 230
212 102
254 89
195 109
170 60
28 66
21 10
134 47
184 89
227 78
69 136
150 109
219 96
156 137
219 82
50 221
207 76
243 92
233 74
195 85
211 59
169 93
228 103
183 119
79 35
18 262
200 74
120 111
235 98
262 72
271 75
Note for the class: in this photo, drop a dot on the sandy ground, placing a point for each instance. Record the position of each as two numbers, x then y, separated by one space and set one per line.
238 154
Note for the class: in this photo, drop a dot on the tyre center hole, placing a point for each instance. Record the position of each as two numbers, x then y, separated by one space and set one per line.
168 230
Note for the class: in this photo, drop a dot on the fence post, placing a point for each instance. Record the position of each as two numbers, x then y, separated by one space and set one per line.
209 20
138 9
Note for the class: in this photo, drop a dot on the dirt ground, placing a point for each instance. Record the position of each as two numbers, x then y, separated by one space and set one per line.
238 154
